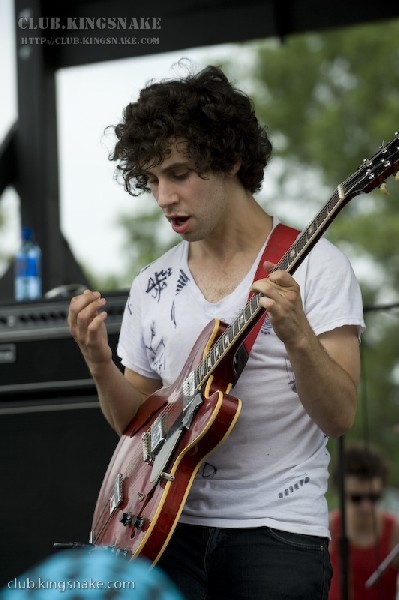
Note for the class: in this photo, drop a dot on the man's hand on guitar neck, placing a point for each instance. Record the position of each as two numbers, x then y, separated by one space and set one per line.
282 300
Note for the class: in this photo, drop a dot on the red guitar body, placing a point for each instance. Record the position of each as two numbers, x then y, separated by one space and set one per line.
136 514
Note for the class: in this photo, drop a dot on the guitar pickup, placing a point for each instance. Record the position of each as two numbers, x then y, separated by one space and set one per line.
154 438
188 386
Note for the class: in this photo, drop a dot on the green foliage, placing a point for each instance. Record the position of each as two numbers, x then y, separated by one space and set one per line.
343 94
329 100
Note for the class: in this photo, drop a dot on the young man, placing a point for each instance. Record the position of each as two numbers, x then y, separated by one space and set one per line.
372 533
255 523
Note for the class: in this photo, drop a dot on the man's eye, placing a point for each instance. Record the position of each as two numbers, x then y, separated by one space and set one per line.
181 176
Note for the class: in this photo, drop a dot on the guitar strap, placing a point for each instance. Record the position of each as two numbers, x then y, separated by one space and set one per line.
281 238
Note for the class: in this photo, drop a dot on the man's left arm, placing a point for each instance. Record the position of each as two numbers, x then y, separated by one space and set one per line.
327 372
326 367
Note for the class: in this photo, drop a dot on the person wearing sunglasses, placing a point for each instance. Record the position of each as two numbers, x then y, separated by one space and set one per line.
372 533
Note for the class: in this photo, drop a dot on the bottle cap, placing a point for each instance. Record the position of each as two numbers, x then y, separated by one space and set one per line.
26 233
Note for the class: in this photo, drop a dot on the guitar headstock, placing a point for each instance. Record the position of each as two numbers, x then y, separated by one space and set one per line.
375 171
371 174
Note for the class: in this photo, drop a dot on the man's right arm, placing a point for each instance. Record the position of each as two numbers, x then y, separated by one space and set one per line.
120 394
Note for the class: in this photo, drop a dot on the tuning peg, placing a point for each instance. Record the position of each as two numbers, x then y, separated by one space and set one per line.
384 189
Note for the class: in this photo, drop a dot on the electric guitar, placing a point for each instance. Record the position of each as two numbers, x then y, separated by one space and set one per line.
153 466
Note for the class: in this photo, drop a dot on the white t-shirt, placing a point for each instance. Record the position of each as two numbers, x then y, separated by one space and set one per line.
272 468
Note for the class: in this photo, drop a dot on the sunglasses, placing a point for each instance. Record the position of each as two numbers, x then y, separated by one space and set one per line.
357 498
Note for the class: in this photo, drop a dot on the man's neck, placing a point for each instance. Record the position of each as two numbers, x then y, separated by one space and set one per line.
220 263
242 234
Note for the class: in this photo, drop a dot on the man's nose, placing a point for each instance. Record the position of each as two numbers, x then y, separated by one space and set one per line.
166 194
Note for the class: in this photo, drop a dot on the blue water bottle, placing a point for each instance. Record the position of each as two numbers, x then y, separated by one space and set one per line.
28 277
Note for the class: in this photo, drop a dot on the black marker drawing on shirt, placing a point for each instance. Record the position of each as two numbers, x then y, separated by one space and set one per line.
173 314
294 487
208 471
181 283
157 353
158 283
266 328
291 376
129 305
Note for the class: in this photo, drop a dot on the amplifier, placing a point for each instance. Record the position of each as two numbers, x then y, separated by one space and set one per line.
38 354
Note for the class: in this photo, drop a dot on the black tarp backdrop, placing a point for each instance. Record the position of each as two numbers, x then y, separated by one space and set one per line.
55 445
53 458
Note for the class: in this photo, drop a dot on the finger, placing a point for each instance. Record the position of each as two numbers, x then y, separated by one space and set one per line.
97 320
95 327
282 279
87 314
80 302
268 266
82 313
267 288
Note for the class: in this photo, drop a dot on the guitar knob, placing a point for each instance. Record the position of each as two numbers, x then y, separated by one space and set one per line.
126 519
139 522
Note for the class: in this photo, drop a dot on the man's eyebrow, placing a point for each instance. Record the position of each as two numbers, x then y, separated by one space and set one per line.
171 167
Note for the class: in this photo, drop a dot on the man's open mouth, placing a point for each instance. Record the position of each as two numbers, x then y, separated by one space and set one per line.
180 220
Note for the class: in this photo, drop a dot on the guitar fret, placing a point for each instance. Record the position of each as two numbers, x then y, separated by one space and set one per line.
226 338
197 378
248 312
254 303
202 370
212 357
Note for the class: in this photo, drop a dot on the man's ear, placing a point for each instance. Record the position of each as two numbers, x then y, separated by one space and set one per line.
235 168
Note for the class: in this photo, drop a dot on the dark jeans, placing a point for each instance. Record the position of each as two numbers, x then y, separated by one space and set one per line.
210 563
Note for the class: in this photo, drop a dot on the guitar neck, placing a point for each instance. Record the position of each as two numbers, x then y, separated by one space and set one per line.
313 232
368 176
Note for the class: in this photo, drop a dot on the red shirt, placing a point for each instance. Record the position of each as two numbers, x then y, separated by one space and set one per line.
362 563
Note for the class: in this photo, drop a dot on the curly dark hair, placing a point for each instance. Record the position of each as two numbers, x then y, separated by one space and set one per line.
216 120
364 462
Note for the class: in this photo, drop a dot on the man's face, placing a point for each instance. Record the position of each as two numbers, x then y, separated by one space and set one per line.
362 497
195 206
